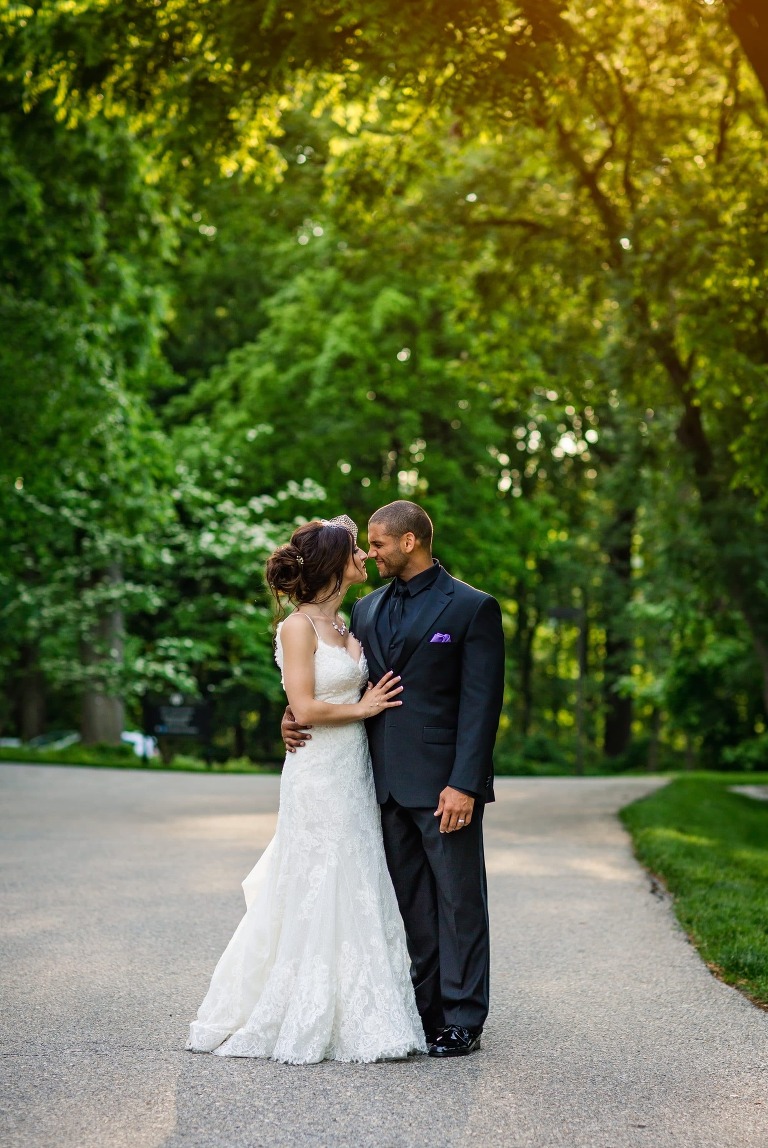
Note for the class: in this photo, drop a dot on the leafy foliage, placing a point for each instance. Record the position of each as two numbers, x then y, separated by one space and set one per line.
507 259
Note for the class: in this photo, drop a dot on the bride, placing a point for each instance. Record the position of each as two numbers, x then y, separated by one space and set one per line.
318 967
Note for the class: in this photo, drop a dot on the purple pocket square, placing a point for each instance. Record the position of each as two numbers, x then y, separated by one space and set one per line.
439 638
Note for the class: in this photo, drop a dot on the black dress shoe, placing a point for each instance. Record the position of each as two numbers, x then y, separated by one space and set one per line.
432 1030
454 1040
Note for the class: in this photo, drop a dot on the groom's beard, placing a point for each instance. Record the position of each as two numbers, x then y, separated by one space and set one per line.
385 570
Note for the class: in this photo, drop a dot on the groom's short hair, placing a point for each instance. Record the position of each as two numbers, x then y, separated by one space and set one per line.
401 517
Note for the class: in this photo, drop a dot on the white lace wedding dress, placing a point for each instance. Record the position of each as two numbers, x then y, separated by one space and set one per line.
318 967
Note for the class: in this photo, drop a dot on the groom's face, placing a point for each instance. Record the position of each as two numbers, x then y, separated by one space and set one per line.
390 552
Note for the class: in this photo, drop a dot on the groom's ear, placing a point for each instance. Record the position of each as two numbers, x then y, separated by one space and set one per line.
408 542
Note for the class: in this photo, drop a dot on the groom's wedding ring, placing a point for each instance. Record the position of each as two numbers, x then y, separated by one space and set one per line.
461 821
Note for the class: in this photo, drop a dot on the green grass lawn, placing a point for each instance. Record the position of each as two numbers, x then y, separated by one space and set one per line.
710 848
125 758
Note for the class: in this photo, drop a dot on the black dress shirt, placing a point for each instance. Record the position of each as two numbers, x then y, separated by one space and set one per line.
401 608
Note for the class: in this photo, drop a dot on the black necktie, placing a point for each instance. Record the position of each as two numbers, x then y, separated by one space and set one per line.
399 590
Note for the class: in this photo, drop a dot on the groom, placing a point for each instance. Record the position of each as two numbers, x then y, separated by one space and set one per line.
432 764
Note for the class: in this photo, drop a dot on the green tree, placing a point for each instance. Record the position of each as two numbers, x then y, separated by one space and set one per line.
82 243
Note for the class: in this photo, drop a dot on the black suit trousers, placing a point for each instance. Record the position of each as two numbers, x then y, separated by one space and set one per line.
440 882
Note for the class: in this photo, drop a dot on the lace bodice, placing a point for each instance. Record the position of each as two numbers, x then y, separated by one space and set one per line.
338 677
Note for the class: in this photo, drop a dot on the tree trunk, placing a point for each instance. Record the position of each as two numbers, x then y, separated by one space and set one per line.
749 20
617 732
652 764
102 718
526 679
31 695
525 635
103 712
690 755
239 738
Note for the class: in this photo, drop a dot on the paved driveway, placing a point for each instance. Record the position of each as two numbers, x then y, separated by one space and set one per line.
121 889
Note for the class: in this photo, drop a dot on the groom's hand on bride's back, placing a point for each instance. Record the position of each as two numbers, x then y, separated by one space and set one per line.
293 734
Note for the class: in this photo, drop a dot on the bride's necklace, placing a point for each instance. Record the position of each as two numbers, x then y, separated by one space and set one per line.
340 627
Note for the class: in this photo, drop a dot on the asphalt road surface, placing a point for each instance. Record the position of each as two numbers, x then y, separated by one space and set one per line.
120 890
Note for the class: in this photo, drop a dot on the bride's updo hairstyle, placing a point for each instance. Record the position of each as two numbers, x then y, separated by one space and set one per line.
303 568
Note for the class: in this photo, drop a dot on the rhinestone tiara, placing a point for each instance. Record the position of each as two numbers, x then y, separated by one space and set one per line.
344 521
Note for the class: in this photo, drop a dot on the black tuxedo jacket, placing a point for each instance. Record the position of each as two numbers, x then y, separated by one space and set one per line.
444 732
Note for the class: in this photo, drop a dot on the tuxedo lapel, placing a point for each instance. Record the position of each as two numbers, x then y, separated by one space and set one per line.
370 637
438 598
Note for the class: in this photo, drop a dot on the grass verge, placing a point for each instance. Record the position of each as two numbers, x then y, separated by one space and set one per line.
103 759
710 848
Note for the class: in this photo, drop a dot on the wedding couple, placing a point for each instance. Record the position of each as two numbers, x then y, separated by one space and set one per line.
381 810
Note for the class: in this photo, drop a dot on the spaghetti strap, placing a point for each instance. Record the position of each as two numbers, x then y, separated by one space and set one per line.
312 624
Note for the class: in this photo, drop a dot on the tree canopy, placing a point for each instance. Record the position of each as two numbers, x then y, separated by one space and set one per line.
507 259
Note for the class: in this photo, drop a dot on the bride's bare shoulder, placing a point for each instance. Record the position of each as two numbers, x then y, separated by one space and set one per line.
297 631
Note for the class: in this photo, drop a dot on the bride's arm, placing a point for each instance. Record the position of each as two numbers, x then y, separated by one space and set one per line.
298 642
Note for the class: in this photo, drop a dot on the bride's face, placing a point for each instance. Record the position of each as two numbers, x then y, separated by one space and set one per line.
355 569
